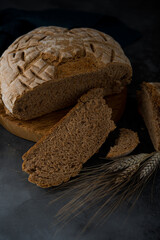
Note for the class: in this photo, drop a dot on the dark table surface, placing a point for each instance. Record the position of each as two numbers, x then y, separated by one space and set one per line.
25 212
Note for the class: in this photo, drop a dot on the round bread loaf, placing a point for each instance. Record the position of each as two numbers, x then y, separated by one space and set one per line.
49 68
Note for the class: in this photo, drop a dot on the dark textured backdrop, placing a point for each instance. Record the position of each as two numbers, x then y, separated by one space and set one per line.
25 212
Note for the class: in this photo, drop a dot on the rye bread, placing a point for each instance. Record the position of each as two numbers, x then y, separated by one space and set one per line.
149 108
36 128
60 154
49 68
124 144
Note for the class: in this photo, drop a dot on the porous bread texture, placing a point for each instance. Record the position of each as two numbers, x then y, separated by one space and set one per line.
124 144
49 68
149 107
60 154
36 128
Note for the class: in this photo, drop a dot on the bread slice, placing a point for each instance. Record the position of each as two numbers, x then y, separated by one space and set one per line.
49 68
124 144
60 154
36 128
149 107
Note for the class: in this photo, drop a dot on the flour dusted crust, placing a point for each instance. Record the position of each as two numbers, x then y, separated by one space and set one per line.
57 54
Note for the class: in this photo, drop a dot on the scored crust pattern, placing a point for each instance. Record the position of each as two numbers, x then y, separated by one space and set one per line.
35 57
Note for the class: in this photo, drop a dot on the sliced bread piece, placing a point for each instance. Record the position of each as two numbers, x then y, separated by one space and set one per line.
60 154
36 128
124 144
49 68
149 107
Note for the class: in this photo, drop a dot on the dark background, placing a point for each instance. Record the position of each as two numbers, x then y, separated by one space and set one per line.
25 212
139 14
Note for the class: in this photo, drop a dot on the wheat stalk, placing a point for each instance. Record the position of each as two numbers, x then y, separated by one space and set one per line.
127 173
115 181
125 162
129 165
150 166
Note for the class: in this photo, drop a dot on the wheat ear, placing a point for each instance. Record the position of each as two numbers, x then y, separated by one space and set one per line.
127 173
129 166
150 166
126 162
114 181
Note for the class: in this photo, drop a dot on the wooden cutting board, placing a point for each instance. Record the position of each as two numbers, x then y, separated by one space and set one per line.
34 129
